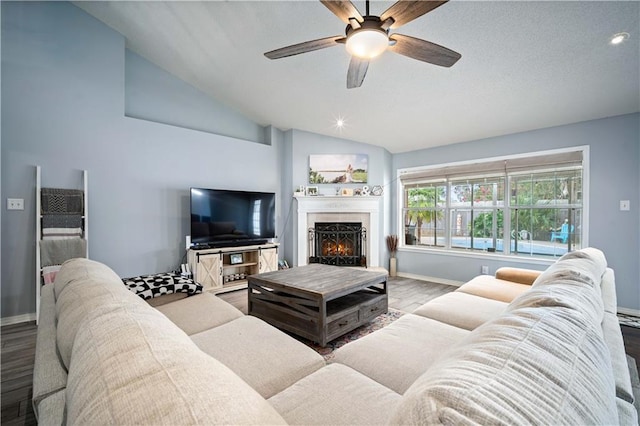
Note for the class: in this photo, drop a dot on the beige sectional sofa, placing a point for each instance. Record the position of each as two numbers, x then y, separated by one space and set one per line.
495 351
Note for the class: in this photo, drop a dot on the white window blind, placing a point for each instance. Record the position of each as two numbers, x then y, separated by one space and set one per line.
493 168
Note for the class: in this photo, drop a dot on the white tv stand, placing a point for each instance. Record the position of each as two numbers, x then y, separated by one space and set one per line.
224 269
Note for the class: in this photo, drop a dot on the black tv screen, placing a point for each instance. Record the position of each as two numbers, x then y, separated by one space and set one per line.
223 218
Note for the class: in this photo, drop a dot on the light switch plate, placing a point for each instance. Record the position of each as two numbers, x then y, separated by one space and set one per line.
15 203
624 205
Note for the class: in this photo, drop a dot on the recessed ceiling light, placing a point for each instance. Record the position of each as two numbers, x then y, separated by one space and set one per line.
339 123
619 38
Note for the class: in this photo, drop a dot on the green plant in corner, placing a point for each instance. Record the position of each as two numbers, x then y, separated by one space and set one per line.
392 245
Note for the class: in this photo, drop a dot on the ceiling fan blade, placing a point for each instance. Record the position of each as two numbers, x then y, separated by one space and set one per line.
307 46
357 70
343 9
405 11
423 50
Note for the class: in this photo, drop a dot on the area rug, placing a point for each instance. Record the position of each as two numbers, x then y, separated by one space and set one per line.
376 324
629 320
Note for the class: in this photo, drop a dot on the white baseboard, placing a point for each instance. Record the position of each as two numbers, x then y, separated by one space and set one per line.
430 279
18 319
629 311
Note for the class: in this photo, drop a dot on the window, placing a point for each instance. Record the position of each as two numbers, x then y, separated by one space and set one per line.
523 206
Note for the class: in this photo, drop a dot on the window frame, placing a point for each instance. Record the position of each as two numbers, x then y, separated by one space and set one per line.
507 209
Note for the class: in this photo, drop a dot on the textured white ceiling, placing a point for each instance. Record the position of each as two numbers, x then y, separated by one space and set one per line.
525 65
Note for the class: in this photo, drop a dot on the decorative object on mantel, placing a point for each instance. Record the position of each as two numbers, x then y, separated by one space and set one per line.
338 168
365 190
376 190
347 192
300 190
312 190
392 246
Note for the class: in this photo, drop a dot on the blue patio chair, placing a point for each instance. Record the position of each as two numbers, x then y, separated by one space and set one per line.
563 234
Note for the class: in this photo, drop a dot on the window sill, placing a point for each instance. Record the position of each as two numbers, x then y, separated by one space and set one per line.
482 255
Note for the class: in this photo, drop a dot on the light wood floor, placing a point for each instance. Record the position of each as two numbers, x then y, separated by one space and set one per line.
19 341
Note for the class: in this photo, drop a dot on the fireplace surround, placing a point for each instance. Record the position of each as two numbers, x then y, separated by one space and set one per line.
338 209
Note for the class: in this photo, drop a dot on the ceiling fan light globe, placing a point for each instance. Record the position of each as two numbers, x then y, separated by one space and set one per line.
367 43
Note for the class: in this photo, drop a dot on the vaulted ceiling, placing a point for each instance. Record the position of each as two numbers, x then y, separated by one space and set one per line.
525 65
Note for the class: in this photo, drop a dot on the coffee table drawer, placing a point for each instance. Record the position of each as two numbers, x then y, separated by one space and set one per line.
342 325
373 309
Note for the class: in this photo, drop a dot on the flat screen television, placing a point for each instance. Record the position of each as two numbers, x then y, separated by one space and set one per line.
224 218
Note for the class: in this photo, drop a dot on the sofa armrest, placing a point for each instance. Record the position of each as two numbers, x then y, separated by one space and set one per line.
517 275
49 373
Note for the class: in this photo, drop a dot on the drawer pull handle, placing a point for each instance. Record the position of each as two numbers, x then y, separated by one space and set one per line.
374 309
342 324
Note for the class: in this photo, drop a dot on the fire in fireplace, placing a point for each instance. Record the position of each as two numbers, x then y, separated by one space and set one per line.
338 243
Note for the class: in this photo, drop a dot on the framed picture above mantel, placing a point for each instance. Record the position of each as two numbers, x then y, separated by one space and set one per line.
338 168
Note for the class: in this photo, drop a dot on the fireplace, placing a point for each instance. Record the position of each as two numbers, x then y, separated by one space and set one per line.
311 210
338 243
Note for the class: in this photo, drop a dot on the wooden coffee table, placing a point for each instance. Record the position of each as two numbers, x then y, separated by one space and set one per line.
318 302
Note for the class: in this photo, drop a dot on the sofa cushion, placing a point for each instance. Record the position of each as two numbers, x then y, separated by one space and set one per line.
199 313
573 282
541 365
615 343
83 295
586 266
609 297
51 409
461 310
493 288
133 366
78 269
399 353
263 356
627 413
336 395
49 374
564 292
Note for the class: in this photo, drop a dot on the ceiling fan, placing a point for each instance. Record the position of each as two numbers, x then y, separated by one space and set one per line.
368 36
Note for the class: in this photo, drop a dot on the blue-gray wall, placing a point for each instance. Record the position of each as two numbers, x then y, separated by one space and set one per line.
63 109
614 175
156 95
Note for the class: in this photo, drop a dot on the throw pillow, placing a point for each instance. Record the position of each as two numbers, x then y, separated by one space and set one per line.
156 285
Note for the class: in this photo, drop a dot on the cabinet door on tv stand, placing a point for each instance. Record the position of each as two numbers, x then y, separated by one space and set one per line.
268 260
208 271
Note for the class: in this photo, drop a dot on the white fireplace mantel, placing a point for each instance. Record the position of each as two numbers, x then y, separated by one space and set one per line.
369 206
